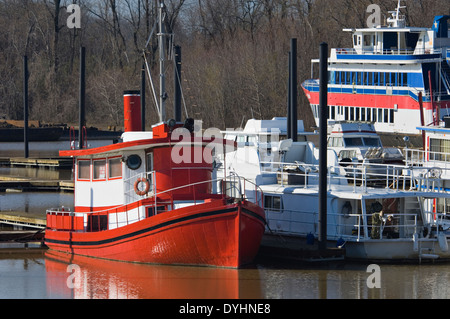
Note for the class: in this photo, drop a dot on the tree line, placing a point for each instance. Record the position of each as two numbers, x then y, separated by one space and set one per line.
234 54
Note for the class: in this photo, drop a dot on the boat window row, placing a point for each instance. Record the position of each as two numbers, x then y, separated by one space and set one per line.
368 78
354 142
353 113
99 169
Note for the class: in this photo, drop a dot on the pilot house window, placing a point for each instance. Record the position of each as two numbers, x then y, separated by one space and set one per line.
115 167
84 169
99 169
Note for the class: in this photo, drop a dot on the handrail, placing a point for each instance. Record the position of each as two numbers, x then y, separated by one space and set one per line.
359 174
420 155
257 187
393 51
357 232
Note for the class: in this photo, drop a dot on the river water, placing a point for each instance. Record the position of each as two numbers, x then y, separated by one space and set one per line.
51 275
37 274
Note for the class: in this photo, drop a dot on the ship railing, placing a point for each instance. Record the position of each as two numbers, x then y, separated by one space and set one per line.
349 227
236 186
414 92
391 51
306 175
359 175
442 220
63 219
230 187
436 95
417 157
433 164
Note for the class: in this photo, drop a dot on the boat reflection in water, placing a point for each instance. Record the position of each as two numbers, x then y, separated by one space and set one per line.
102 279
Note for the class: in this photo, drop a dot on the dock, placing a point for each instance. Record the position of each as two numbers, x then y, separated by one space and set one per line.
30 184
17 184
33 228
18 219
61 162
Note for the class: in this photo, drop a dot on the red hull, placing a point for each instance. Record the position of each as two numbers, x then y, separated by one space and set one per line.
210 234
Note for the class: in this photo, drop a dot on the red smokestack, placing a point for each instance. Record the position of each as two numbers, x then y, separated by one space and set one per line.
132 111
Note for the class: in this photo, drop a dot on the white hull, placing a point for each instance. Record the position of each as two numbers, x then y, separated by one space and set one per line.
396 250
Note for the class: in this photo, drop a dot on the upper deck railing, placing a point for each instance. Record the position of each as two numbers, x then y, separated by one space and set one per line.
438 161
360 176
392 51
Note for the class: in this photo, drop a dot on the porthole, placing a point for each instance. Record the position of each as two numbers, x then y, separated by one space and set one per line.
134 162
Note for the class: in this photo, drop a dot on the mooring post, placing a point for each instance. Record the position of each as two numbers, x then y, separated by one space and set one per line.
82 122
143 97
293 90
323 127
289 109
25 106
292 93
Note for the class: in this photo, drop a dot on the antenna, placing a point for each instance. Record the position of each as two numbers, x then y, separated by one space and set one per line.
397 20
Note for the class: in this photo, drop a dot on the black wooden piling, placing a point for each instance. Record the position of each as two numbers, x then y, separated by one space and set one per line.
25 106
323 69
82 122
288 126
143 97
293 90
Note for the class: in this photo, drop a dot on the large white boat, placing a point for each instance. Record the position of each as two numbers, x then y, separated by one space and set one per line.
396 76
393 222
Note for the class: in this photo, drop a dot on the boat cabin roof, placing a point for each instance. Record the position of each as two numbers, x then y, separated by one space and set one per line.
352 129
434 129
133 141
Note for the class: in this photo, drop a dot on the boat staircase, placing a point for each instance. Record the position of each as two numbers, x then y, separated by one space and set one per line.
414 206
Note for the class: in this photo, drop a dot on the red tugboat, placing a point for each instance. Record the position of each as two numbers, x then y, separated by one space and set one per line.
134 202
153 198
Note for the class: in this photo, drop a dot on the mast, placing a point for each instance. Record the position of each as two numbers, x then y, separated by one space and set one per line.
162 55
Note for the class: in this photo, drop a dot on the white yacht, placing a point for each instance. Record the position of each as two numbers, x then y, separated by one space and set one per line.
391 222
